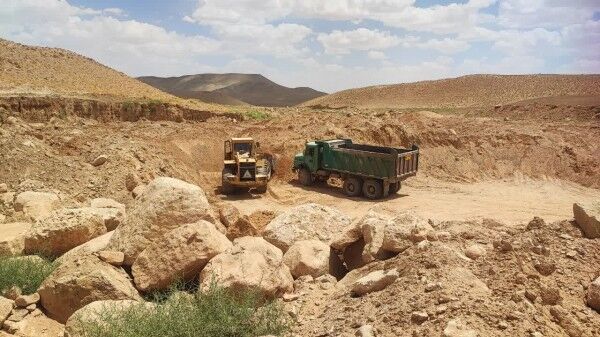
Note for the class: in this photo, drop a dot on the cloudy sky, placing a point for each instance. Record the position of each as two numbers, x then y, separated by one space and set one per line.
326 44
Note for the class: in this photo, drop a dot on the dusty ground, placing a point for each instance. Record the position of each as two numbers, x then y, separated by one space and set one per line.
482 178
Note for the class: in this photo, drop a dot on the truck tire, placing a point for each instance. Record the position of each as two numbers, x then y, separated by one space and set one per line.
352 186
305 177
372 189
395 187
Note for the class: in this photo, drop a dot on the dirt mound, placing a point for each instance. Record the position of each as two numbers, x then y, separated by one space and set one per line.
466 91
236 89
526 281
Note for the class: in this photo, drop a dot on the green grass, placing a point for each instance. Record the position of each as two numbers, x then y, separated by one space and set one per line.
257 115
24 273
213 313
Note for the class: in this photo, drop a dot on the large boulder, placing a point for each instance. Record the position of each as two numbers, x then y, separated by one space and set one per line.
593 295
93 314
166 204
180 255
305 222
38 326
36 205
251 264
63 230
12 240
587 217
83 280
403 231
308 257
374 281
93 246
111 211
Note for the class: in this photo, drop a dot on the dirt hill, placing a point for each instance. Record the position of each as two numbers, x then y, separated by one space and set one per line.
466 91
233 89
40 70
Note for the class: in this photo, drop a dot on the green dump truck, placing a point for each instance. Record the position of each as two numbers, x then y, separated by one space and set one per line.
373 171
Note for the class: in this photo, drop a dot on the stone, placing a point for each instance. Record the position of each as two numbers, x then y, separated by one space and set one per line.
138 190
38 326
308 257
91 313
455 328
419 317
25 300
3 188
403 231
475 251
593 295
80 281
587 217
365 331
550 295
305 222
545 267
179 255
536 223
12 293
566 321
92 246
12 240
6 307
166 204
111 257
100 160
63 230
229 214
112 212
132 181
374 281
251 264
18 315
36 205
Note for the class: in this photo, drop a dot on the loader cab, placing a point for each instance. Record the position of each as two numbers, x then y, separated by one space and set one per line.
242 147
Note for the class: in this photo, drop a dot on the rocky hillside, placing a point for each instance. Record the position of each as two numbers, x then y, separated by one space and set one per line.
233 89
466 91
45 71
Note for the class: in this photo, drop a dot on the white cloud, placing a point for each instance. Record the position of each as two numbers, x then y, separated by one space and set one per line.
445 46
545 13
376 55
342 42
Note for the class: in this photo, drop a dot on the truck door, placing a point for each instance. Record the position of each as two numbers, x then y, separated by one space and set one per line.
312 158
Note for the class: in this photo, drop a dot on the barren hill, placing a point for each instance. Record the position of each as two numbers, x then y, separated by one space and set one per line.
233 89
40 70
465 91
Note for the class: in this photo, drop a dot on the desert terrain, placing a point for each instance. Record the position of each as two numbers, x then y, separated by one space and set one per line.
482 242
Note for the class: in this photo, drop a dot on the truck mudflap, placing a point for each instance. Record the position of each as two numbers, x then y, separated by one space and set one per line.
408 163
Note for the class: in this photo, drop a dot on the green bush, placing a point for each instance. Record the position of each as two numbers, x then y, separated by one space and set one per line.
27 273
257 115
213 313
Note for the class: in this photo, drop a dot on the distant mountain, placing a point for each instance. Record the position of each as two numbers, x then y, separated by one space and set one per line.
232 89
465 91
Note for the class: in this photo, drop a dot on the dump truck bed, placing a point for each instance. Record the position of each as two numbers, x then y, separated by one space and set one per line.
370 161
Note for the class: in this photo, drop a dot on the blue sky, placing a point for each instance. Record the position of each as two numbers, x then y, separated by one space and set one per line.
328 45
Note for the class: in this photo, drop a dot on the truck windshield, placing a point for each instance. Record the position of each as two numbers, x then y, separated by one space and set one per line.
242 148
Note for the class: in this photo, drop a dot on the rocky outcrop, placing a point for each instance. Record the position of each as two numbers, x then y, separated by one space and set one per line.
587 217
36 205
305 222
80 281
166 204
252 264
308 257
179 255
63 230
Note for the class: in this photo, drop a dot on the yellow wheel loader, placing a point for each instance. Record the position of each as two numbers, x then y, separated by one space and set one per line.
244 167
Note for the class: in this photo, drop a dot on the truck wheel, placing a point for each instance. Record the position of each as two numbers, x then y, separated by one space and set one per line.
395 187
372 189
305 177
352 187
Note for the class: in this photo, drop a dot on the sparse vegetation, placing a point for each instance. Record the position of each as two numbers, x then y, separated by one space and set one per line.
26 273
257 115
215 312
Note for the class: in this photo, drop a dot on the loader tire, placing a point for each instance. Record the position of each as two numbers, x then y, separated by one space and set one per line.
261 189
226 188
